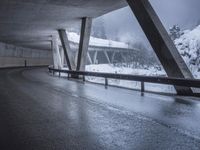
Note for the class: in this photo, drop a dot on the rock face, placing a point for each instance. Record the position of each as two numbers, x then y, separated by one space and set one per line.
189 47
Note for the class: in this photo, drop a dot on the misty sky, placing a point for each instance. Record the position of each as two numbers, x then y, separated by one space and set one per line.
123 24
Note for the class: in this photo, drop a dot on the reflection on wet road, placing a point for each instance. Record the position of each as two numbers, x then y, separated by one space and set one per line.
42 112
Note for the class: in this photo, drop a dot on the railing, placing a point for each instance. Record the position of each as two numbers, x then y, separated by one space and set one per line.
195 83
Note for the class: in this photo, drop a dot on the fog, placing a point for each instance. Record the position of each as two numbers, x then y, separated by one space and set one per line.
182 12
122 24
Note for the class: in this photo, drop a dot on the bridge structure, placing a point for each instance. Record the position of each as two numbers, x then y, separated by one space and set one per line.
109 52
42 111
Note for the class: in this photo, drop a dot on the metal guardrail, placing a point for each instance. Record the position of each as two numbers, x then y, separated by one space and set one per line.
195 83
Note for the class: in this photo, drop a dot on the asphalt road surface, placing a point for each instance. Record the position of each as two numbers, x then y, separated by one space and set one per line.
42 112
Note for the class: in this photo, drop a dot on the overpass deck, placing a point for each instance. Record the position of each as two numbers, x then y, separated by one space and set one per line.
39 111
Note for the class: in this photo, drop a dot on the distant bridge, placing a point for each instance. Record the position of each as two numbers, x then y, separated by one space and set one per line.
105 49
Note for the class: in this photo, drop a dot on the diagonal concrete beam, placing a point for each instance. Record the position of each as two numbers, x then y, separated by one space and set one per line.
86 26
113 57
163 46
107 57
95 57
89 58
66 47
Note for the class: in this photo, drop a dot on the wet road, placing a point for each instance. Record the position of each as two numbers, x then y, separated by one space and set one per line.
41 112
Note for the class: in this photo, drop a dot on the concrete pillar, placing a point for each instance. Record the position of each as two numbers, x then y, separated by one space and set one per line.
62 56
163 46
84 43
67 50
95 57
107 57
56 54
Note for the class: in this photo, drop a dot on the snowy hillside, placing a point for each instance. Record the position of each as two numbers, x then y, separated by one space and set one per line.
189 47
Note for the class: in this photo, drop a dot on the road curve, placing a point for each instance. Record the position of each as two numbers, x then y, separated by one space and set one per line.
42 112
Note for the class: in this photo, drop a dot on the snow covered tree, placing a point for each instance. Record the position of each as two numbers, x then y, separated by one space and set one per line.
175 32
189 47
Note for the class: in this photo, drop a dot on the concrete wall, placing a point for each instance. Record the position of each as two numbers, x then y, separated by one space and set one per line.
14 56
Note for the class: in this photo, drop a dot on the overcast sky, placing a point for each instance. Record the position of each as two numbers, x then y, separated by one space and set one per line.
123 24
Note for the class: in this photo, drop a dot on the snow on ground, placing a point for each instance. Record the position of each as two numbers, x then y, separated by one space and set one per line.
74 37
129 84
124 70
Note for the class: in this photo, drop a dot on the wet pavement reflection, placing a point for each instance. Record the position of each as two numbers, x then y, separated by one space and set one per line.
39 111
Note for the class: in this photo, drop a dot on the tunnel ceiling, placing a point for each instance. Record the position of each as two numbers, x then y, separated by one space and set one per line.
31 23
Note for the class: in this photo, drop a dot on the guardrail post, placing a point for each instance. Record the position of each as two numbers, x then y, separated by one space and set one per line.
59 74
68 76
25 63
106 83
83 78
142 87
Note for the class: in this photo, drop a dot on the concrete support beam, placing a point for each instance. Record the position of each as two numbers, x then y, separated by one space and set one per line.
56 54
62 56
107 57
89 58
95 57
163 46
113 57
66 47
84 43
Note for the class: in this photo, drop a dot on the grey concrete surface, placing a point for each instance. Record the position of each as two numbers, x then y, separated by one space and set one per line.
31 23
86 27
69 58
42 112
15 56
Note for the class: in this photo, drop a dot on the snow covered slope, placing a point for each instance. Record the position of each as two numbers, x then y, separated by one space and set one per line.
189 47
151 71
